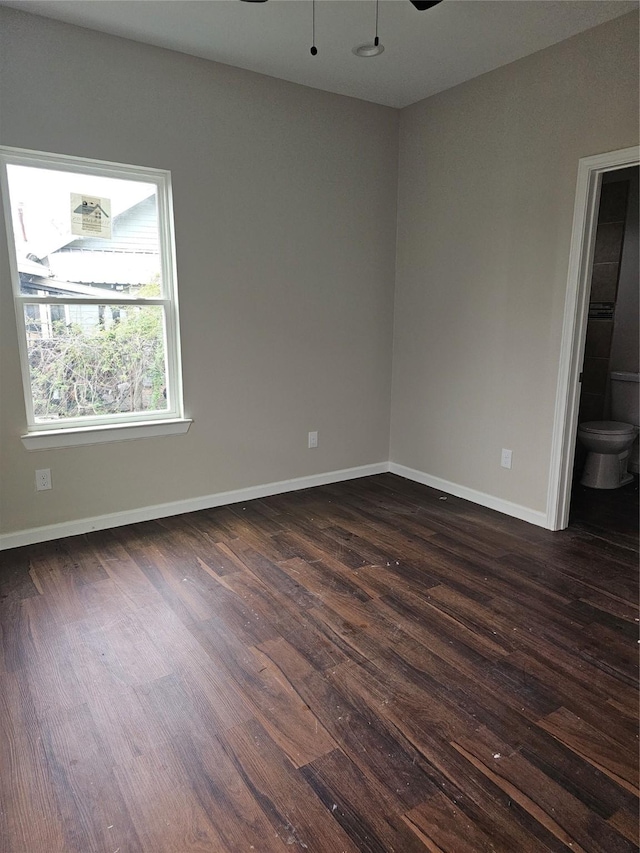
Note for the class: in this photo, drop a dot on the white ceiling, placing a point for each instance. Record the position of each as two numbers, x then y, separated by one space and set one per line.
425 52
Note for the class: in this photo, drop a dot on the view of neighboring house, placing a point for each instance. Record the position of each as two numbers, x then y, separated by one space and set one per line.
93 266
130 258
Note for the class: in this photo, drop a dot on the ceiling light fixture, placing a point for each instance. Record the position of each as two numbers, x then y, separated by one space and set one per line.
369 49
364 50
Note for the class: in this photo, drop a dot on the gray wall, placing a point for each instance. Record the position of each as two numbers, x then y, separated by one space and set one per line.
285 210
285 205
487 182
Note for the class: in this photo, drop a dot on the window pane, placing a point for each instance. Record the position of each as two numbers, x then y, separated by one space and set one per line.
87 361
84 235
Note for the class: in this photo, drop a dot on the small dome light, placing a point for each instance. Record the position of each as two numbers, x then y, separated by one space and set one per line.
369 49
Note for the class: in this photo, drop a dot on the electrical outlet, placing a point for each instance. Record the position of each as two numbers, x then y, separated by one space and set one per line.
43 479
505 461
313 439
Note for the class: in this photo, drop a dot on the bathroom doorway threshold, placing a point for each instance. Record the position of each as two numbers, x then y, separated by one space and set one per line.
609 514
565 426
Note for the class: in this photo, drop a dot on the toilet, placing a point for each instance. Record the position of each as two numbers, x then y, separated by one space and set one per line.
613 445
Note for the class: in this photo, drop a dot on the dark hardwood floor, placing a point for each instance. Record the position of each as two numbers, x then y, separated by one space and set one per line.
367 666
610 514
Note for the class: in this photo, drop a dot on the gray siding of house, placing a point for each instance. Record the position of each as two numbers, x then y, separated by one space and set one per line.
134 230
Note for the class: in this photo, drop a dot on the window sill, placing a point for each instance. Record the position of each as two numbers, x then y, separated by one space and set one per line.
104 434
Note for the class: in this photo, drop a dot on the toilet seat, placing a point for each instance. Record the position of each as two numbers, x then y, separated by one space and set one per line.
607 428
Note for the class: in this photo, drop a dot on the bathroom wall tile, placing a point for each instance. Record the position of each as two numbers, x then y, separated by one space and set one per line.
604 282
594 375
591 407
613 202
608 243
599 334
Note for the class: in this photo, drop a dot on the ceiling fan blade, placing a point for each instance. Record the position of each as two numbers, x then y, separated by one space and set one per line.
421 5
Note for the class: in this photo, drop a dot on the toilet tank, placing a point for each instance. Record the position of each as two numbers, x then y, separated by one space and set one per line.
624 397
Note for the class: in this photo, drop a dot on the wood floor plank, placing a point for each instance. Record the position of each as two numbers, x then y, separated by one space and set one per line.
580 700
16 644
169 818
273 576
54 577
452 827
313 640
601 749
122 569
626 822
47 667
273 700
599 792
361 809
111 700
375 746
555 807
326 579
16 580
219 703
93 812
449 620
296 814
26 789
510 824
225 797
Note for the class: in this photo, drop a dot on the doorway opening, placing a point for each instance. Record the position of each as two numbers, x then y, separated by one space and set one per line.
605 500
600 337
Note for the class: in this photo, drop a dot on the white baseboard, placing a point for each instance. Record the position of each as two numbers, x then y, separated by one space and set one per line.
515 510
149 513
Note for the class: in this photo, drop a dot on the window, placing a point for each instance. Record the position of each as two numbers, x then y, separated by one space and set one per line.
91 249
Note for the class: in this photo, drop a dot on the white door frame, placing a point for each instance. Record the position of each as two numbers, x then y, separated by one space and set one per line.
574 327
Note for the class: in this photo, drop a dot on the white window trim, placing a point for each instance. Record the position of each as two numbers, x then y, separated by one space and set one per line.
74 436
125 426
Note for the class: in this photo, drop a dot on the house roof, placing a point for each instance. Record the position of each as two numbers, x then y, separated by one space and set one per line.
64 288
